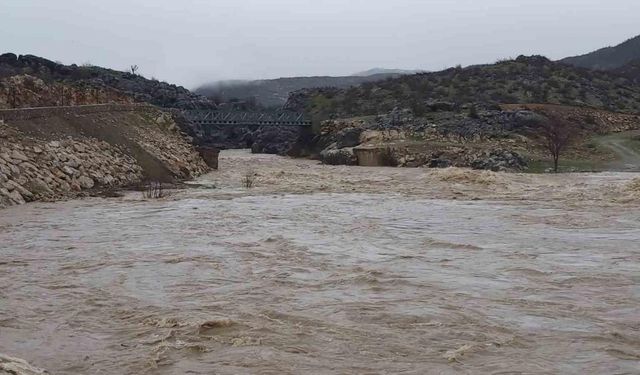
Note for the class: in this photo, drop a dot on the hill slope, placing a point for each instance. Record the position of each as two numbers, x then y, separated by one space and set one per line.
608 58
524 80
51 83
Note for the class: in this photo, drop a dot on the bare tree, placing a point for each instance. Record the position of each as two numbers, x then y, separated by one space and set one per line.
557 135
134 69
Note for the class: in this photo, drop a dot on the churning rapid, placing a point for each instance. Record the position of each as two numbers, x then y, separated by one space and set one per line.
330 270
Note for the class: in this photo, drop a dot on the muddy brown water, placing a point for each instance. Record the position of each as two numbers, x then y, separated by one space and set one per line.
329 270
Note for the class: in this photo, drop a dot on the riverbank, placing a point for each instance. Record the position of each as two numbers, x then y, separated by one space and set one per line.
59 152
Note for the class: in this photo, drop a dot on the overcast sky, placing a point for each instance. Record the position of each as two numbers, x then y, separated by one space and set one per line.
194 41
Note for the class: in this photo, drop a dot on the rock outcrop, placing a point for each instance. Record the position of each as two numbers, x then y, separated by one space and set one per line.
46 154
343 156
499 160
42 82
281 140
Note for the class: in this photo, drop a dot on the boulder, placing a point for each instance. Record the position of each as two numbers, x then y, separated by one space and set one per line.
69 170
275 139
343 156
349 137
14 186
86 182
499 160
39 187
79 147
18 155
14 196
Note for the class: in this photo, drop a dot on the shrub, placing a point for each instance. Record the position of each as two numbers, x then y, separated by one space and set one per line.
153 190
249 179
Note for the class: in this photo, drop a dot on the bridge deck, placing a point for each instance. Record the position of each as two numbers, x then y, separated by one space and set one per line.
231 118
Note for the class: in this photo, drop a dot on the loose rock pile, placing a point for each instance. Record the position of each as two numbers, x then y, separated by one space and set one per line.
499 160
45 171
39 168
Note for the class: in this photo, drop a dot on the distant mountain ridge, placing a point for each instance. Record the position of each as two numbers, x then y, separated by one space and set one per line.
275 92
608 58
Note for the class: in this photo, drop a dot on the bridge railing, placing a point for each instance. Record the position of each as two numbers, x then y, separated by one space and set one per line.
205 117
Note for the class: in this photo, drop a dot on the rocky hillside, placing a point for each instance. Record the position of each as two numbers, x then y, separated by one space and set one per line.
608 58
275 92
523 80
49 153
24 91
505 137
27 81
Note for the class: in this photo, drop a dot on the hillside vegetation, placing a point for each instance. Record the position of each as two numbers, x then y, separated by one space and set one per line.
608 58
523 80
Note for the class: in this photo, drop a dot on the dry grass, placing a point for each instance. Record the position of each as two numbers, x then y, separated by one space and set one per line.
153 190
249 179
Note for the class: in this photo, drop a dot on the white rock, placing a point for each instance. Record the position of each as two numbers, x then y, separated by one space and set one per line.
79 147
86 182
73 162
18 155
68 170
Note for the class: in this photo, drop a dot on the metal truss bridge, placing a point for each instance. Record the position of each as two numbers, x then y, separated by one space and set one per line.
237 118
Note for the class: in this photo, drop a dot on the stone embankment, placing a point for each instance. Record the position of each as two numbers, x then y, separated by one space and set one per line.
52 153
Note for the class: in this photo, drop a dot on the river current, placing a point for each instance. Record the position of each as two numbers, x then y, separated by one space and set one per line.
330 270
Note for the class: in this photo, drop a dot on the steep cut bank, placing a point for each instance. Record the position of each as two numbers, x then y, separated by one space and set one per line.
50 153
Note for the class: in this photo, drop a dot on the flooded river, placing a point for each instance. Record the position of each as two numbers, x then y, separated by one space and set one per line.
330 270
